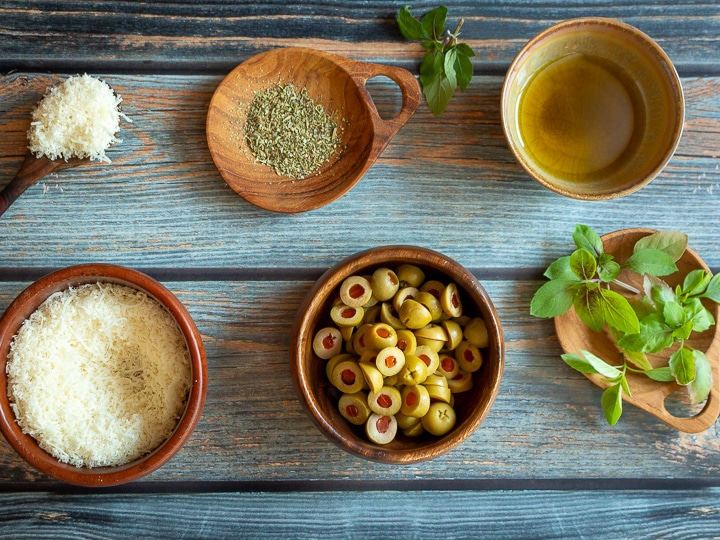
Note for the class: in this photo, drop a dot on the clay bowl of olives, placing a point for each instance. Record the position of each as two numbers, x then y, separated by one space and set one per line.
294 129
397 354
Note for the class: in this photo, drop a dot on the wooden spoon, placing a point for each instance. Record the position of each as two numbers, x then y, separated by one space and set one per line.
32 169
647 394
336 83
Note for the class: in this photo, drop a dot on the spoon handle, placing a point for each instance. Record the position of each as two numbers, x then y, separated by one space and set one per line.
31 171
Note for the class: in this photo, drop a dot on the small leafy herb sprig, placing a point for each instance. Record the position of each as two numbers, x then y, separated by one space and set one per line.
652 320
446 65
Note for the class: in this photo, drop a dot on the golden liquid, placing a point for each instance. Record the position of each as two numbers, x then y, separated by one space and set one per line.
580 117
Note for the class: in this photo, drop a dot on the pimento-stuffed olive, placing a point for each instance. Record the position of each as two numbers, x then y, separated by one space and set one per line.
379 336
415 401
327 342
448 366
406 341
373 377
429 301
390 361
385 401
439 419
355 291
414 372
454 333
476 332
450 301
410 275
462 382
468 356
381 429
384 283
354 408
414 315
402 295
343 315
429 356
347 377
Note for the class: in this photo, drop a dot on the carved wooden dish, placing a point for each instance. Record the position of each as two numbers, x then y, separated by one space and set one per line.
316 392
335 83
647 394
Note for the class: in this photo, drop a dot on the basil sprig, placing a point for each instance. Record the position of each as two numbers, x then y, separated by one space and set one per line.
446 64
655 319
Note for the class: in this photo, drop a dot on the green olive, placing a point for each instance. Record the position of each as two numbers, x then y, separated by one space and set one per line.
327 342
372 313
440 419
404 421
450 300
414 431
373 377
439 393
429 356
468 356
402 295
355 291
449 366
347 377
334 361
414 315
407 342
381 429
379 336
431 303
410 275
384 283
386 401
436 379
388 315
415 401
462 382
476 332
390 361
414 372
354 407
434 287
343 315
358 339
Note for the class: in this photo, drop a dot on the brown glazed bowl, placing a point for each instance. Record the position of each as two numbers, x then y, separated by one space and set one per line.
319 397
27 302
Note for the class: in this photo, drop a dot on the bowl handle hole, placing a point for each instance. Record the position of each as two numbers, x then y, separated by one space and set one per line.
386 96
678 404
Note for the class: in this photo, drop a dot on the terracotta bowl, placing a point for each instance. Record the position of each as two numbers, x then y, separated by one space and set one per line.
574 336
334 82
320 399
641 124
27 302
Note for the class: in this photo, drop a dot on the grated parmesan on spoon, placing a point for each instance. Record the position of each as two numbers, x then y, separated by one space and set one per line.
76 118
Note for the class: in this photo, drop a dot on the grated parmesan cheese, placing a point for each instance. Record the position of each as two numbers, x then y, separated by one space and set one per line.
77 118
99 375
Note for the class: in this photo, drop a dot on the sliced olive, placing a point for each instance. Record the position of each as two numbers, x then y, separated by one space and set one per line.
414 372
436 379
454 332
410 275
415 401
440 419
468 356
462 382
358 339
343 315
414 431
450 301
433 336
372 314
429 356
379 336
368 357
431 303
406 341
402 295
414 315
476 332
449 366
355 291
439 393
373 377
334 361
386 401
390 361
381 429
384 283
404 421
327 342
347 377
354 408
388 315
434 287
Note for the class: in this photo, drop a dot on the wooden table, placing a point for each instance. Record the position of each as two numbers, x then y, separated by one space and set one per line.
543 464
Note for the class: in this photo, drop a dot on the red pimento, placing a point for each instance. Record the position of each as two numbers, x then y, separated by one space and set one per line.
348 377
384 401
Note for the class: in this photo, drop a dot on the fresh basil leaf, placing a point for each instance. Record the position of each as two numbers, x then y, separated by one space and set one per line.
438 93
431 67
586 238
653 336
657 290
433 22
661 374
410 27
673 243
618 312
696 282
463 70
609 271
553 298
682 365
713 290
639 359
465 50
651 261
682 333
583 264
674 314
578 363
701 317
449 67
601 366
642 307
700 387
588 306
560 269
611 402
625 385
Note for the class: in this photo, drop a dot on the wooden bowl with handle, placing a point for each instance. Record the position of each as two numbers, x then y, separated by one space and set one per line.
320 399
333 82
647 394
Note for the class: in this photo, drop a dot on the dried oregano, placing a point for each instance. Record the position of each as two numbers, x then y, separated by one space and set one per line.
286 130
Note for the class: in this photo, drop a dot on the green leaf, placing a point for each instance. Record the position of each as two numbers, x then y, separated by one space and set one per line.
674 314
578 363
683 333
560 269
651 261
553 298
583 264
701 317
465 50
661 374
700 387
653 336
586 238
673 243
433 22
608 271
431 67
601 366
639 359
439 92
713 290
611 402
589 307
618 312
696 282
410 27
463 70
682 364
449 66
658 291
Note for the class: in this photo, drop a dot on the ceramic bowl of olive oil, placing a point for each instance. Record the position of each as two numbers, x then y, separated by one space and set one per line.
592 108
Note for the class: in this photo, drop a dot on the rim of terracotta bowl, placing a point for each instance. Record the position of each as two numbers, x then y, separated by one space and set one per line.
666 69
27 447
309 316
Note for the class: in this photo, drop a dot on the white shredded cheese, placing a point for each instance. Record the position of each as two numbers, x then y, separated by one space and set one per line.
77 118
99 375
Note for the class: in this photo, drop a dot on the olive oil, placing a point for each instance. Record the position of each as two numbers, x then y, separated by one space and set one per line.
580 117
